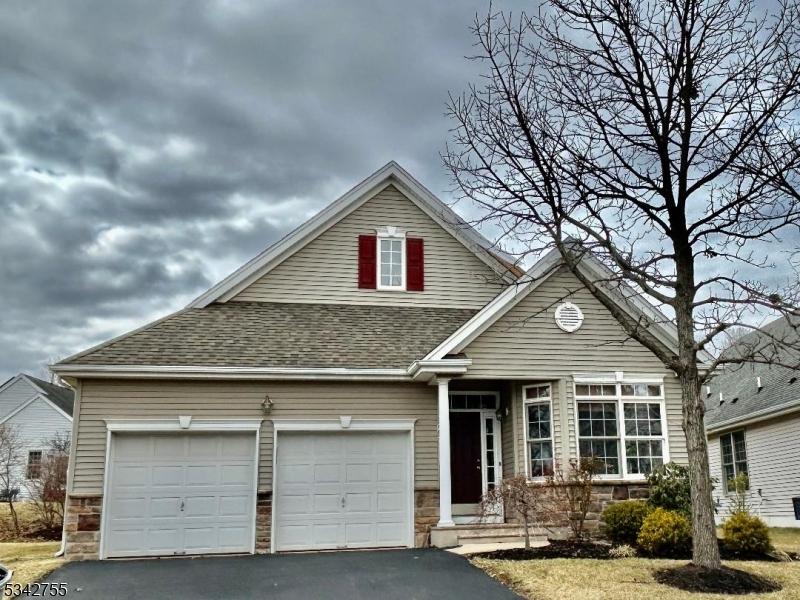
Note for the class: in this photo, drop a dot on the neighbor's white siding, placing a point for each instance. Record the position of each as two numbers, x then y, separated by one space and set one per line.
326 269
36 424
15 395
773 462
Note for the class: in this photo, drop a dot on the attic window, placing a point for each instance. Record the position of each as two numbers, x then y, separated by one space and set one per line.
569 317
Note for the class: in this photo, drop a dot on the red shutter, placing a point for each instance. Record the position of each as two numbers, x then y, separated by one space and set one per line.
415 265
367 266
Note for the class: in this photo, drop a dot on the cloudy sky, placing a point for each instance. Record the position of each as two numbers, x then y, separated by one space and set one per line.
149 148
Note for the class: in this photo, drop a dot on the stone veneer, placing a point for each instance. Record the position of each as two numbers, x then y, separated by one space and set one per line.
82 527
82 523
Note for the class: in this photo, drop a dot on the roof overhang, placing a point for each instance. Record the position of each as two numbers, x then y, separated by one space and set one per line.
390 174
773 412
214 372
426 370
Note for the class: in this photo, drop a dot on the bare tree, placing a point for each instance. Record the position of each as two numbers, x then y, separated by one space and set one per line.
48 489
11 449
525 500
660 136
573 492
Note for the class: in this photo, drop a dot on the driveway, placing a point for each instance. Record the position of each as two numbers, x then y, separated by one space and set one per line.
381 575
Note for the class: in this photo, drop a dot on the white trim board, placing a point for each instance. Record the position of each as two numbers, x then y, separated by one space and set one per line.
390 174
212 372
758 416
26 403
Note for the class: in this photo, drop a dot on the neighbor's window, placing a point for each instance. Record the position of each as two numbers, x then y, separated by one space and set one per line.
622 425
34 469
539 433
734 457
391 263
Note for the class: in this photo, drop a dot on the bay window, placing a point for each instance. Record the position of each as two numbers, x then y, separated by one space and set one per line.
623 425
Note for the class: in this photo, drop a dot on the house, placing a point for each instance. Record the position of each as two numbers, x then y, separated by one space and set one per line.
38 411
359 384
753 426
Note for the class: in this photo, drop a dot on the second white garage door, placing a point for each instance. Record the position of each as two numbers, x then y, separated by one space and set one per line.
343 490
180 493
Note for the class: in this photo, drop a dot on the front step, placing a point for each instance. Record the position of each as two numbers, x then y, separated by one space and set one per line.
485 533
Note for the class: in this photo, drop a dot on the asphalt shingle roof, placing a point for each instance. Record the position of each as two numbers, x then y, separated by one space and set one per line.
738 384
62 397
268 334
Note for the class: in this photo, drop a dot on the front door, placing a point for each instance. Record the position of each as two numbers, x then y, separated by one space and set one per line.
465 457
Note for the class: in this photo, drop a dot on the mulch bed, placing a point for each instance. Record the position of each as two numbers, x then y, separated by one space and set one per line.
712 581
556 549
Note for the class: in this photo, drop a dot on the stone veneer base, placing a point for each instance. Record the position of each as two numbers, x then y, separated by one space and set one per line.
82 523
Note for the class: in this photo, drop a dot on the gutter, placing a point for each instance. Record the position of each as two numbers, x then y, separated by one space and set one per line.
756 417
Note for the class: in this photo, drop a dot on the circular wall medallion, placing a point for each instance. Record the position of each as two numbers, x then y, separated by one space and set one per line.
569 317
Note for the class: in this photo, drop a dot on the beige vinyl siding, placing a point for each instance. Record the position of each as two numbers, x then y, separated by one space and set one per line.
526 344
773 464
120 399
507 429
326 270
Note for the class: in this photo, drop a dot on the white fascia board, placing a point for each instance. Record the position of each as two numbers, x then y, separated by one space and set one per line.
30 401
200 372
145 425
11 382
756 417
495 309
427 369
391 173
343 424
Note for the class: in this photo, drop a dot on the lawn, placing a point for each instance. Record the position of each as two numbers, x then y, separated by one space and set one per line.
631 578
623 579
30 560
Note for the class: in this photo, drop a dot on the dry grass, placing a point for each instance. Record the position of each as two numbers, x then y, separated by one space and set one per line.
26 515
30 560
786 538
624 579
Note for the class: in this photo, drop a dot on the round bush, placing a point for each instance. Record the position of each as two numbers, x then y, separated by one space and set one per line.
746 534
624 520
666 533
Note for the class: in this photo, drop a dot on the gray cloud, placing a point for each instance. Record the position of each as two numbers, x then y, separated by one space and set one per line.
148 148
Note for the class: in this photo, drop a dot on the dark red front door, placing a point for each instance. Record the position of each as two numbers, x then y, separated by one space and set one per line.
465 457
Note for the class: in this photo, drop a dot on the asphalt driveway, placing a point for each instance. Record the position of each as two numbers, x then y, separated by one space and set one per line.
381 575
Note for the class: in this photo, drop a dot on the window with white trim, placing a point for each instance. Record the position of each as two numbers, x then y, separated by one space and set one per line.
623 425
34 467
391 259
538 406
733 451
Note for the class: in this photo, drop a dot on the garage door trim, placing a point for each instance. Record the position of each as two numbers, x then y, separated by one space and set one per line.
182 424
345 424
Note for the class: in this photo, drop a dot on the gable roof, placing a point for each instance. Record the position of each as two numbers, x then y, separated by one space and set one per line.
390 174
285 336
624 296
60 397
742 399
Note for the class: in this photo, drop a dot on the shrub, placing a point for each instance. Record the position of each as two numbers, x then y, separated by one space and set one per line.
624 520
573 492
666 533
623 551
670 488
746 534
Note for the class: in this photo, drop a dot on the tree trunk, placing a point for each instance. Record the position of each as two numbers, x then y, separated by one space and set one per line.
13 512
705 549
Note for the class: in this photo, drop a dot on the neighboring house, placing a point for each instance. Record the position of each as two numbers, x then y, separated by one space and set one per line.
359 384
753 425
38 411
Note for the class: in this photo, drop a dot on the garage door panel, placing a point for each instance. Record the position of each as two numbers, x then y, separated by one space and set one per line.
366 504
180 503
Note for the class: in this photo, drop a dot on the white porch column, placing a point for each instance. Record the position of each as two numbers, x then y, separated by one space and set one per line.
445 504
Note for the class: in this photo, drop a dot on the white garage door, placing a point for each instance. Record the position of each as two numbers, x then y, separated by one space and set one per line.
343 490
174 494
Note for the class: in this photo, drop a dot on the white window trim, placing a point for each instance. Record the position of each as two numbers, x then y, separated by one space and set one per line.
620 401
42 453
725 489
391 233
525 403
